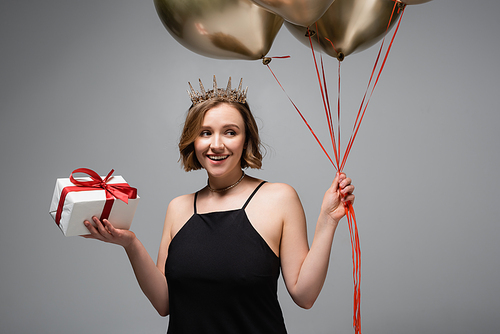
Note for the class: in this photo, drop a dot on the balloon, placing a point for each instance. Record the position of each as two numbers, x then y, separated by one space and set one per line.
224 29
350 25
299 12
414 2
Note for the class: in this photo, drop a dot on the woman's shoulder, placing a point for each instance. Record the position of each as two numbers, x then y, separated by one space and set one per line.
280 188
180 208
276 201
181 202
278 191
178 212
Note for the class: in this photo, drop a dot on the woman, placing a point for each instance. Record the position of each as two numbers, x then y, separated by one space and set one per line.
222 248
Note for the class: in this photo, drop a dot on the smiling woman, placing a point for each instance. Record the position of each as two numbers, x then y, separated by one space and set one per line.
223 247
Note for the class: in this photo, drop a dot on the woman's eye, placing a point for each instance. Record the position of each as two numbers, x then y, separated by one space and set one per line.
205 133
231 132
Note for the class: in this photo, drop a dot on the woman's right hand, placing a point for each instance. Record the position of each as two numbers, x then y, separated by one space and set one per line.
339 193
106 232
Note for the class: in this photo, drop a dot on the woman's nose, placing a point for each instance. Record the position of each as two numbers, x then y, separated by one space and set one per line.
217 143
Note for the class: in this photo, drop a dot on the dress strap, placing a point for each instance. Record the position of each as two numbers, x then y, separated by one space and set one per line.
194 204
249 198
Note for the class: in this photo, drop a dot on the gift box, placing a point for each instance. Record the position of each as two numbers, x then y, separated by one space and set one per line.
78 199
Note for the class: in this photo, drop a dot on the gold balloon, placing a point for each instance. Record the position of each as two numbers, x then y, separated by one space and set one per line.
349 26
224 29
299 12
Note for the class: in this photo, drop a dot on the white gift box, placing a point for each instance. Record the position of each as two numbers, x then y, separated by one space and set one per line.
83 205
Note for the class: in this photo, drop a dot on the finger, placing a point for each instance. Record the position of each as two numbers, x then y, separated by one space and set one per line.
349 189
92 229
109 227
335 183
342 176
345 182
348 198
100 227
348 201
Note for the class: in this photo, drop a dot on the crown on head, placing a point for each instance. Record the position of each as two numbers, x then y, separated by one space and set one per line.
228 94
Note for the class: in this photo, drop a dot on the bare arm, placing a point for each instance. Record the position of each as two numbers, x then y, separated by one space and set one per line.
151 280
304 269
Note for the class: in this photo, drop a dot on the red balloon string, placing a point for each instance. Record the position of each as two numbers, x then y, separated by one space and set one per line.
364 106
279 57
324 94
302 116
326 103
339 163
356 266
338 104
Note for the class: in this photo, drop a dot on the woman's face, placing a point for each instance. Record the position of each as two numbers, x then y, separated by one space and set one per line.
221 141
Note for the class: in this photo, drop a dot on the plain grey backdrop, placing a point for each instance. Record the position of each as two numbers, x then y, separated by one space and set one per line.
101 84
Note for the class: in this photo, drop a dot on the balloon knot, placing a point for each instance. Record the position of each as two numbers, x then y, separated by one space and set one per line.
310 33
400 5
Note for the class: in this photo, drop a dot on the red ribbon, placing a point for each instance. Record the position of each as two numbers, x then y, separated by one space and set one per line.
121 191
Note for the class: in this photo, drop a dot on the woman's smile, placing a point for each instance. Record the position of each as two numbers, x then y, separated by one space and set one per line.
217 157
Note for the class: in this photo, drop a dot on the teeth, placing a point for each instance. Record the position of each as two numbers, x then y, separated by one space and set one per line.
218 157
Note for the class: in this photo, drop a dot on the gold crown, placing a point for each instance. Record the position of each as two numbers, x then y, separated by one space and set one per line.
228 94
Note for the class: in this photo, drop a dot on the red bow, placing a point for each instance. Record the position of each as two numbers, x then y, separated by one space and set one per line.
121 191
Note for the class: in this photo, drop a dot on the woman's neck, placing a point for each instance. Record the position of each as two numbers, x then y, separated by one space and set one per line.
224 184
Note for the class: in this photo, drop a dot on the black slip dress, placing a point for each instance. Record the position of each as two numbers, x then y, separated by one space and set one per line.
222 277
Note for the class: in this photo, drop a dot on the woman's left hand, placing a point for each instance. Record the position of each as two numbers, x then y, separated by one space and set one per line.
337 196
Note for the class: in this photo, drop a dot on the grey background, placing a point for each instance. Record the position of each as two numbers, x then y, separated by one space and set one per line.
101 84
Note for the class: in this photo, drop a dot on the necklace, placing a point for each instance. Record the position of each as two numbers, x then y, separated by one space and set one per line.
226 188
